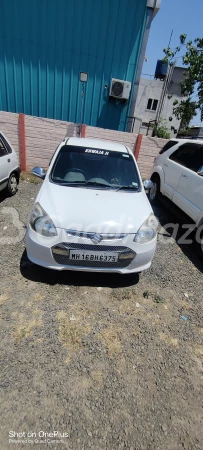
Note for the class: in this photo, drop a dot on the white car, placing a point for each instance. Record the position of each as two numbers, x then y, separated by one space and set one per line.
92 212
9 167
178 175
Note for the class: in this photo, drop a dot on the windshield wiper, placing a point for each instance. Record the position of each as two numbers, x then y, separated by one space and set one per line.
82 183
133 188
95 183
67 183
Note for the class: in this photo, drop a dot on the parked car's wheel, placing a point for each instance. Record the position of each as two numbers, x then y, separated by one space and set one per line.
154 192
12 186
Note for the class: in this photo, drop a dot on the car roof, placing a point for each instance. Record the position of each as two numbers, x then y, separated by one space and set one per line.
97 143
182 141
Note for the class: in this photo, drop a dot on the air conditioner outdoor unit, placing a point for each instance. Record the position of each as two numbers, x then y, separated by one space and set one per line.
120 89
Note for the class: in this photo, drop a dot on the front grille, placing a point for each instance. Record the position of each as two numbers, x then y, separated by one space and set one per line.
95 247
90 235
64 259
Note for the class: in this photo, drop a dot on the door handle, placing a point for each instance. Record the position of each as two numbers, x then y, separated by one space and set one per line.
8 160
166 165
184 176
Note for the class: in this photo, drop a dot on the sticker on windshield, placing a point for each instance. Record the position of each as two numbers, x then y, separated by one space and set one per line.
97 152
135 184
126 156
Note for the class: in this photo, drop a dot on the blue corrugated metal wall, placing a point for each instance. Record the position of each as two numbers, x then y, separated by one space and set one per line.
44 44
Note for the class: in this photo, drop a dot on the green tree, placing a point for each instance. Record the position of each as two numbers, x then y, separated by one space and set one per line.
193 77
184 110
160 130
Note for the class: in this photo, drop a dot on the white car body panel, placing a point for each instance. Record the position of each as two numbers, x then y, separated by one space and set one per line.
189 194
170 183
100 211
181 185
4 168
8 164
166 166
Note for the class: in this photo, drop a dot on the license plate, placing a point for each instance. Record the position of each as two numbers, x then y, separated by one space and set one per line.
80 255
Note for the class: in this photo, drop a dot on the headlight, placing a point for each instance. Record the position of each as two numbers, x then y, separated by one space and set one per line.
41 222
147 231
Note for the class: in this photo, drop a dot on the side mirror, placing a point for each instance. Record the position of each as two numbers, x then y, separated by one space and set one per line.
147 184
39 172
200 171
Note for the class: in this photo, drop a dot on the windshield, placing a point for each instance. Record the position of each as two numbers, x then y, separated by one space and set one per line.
95 168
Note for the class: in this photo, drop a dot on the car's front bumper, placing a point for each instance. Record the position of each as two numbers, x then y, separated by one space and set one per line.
39 251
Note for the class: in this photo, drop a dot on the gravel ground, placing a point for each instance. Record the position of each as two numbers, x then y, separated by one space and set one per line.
109 360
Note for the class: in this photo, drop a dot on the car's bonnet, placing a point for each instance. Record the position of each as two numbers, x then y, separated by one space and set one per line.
96 210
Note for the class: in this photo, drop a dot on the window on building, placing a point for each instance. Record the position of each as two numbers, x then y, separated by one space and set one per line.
152 104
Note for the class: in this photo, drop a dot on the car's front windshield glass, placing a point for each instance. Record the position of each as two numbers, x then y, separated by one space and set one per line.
95 168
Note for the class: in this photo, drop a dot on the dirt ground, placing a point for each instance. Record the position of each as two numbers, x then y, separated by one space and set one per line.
113 361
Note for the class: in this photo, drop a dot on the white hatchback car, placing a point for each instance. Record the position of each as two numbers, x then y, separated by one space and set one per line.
92 212
9 167
178 175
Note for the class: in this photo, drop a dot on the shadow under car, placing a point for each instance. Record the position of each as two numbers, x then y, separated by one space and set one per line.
40 274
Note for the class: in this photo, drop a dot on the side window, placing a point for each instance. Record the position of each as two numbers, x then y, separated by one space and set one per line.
167 146
197 162
3 151
8 148
185 155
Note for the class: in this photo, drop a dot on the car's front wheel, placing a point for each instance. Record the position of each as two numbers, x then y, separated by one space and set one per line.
154 192
12 186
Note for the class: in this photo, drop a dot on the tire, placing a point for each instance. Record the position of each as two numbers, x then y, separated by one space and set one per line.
12 186
154 192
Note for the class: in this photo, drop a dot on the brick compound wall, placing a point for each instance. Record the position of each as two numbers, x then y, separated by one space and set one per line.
128 139
149 149
35 139
9 127
43 137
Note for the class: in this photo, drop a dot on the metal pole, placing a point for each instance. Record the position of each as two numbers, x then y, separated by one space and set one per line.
82 106
168 84
165 91
165 86
170 39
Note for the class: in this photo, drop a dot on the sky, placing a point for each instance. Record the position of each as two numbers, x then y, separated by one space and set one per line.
181 16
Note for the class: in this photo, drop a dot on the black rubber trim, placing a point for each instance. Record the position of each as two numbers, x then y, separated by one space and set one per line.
4 181
18 171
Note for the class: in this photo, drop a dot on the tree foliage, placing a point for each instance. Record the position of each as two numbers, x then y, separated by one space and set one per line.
193 76
160 130
185 111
